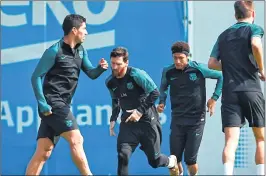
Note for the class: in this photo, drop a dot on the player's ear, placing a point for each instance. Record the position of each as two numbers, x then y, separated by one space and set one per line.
74 30
253 14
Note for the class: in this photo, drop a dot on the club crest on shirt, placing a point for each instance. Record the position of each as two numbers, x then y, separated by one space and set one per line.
130 86
62 57
69 123
81 54
193 76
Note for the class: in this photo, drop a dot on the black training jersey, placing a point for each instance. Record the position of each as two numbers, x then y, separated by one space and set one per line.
136 90
233 48
188 91
60 67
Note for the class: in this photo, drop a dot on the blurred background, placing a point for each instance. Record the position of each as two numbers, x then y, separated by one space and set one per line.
148 29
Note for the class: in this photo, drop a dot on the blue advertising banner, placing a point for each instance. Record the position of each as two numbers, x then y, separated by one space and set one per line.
147 29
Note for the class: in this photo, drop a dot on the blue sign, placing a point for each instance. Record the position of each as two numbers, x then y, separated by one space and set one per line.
147 29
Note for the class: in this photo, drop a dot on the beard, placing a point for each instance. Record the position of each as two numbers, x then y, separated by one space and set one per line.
119 73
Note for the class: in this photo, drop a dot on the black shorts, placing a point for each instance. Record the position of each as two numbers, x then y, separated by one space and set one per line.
61 120
238 106
146 134
186 138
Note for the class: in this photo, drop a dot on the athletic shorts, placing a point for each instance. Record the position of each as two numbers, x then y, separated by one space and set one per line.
237 107
61 120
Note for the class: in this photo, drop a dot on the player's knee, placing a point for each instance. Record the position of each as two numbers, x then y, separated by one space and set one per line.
229 148
230 145
259 135
76 140
260 138
191 161
44 154
123 156
44 149
154 163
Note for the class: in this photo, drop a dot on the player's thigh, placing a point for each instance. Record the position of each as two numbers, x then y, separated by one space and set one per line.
128 134
46 141
231 111
150 140
62 120
253 104
73 137
47 133
177 141
194 138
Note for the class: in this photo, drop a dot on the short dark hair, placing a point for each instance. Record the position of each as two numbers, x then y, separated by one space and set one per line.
243 9
120 52
72 20
180 47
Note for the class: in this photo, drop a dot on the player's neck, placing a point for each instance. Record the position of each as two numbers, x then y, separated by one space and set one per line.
68 40
247 20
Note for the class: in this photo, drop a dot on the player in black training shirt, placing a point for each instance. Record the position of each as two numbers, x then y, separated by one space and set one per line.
238 53
134 92
60 67
186 80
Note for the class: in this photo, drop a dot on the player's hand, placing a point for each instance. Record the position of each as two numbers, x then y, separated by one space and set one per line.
211 106
103 63
160 108
134 117
111 128
47 113
262 75
46 109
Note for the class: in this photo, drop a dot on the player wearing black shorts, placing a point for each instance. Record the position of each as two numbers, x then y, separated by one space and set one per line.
238 53
60 67
186 80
